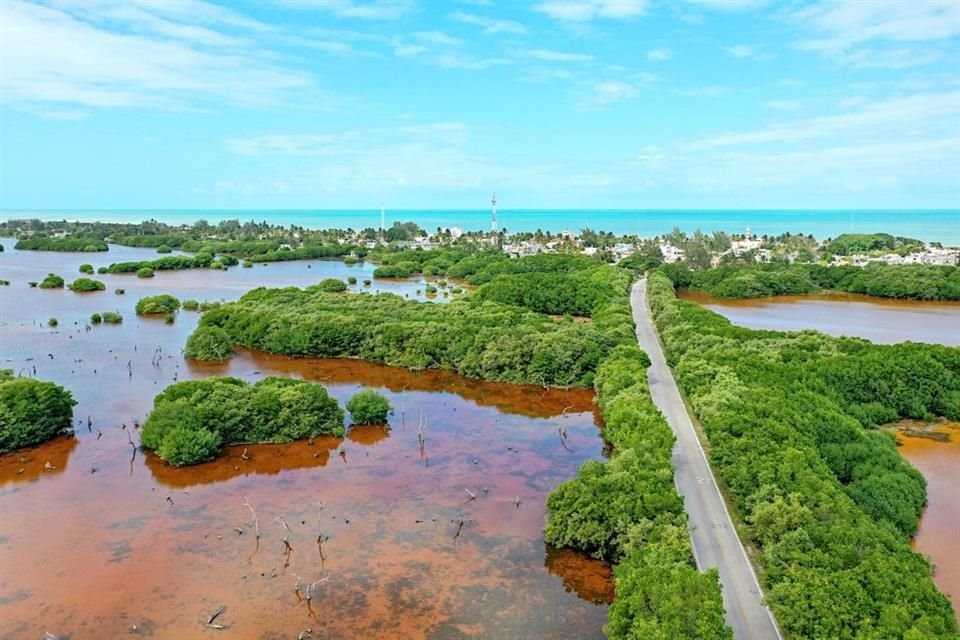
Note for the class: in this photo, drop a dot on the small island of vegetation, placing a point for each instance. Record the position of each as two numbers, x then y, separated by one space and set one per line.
32 411
160 304
368 407
52 281
73 243
86 284
191 420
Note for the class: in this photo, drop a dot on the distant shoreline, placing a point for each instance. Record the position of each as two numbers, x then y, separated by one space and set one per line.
941 225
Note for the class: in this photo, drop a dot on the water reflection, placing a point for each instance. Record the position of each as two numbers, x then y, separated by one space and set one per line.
49 459
880 320
162 548
589 578
527 400
935 451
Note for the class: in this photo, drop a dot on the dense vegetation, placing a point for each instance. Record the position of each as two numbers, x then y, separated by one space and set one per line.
172 263
163 303
368 407
191 420
478 339
86 268
332 285
628 511
87 284
31 411
827 499
852 243
39 243
918 282
208 343
577 293
52 281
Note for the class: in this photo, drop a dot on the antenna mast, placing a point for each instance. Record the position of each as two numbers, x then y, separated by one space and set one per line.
382 218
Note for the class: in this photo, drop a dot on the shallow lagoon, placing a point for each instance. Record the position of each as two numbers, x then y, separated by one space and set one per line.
97 536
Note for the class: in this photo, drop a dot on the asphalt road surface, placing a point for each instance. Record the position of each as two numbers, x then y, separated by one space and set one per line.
715 541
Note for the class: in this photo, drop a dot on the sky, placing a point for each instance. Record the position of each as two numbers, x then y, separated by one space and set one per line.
316 104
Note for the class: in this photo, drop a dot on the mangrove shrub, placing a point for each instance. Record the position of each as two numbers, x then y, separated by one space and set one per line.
32 411
368 407
191 420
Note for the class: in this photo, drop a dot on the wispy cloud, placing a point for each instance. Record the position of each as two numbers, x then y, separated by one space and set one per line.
604 94
345 142
783 105
489 25
842 28
175 55
441 50
659 55
739 50
586 10
932 114
730 5
437 37
711 91
548 55
362 10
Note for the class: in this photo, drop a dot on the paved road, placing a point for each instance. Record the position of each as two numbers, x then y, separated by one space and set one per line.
715 541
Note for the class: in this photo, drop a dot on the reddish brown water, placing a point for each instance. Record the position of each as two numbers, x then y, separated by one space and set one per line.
96 536
937 536
881 320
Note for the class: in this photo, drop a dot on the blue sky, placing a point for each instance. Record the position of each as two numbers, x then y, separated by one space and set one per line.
418 103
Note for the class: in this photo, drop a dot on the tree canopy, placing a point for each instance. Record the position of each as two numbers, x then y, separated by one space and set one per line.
32 411
192 419
828 501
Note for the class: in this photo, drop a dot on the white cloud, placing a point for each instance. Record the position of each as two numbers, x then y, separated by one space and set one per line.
346 142
933 113
730 5
489 25
713 91
842 27
369 10
54 59
440 50
604 94
783 105
437 37
548 55
659 55
740 50
586 10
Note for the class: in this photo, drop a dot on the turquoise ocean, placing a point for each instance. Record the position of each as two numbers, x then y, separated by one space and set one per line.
941 225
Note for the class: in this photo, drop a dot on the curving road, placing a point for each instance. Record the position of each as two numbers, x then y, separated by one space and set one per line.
715 541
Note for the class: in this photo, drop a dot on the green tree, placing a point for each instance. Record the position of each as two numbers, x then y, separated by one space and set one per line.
368 407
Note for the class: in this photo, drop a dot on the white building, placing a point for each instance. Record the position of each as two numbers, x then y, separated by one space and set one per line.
749 243
671 253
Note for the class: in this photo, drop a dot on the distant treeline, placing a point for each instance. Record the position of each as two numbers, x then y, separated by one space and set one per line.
916 282
480 337
852 243
827 500
38 243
